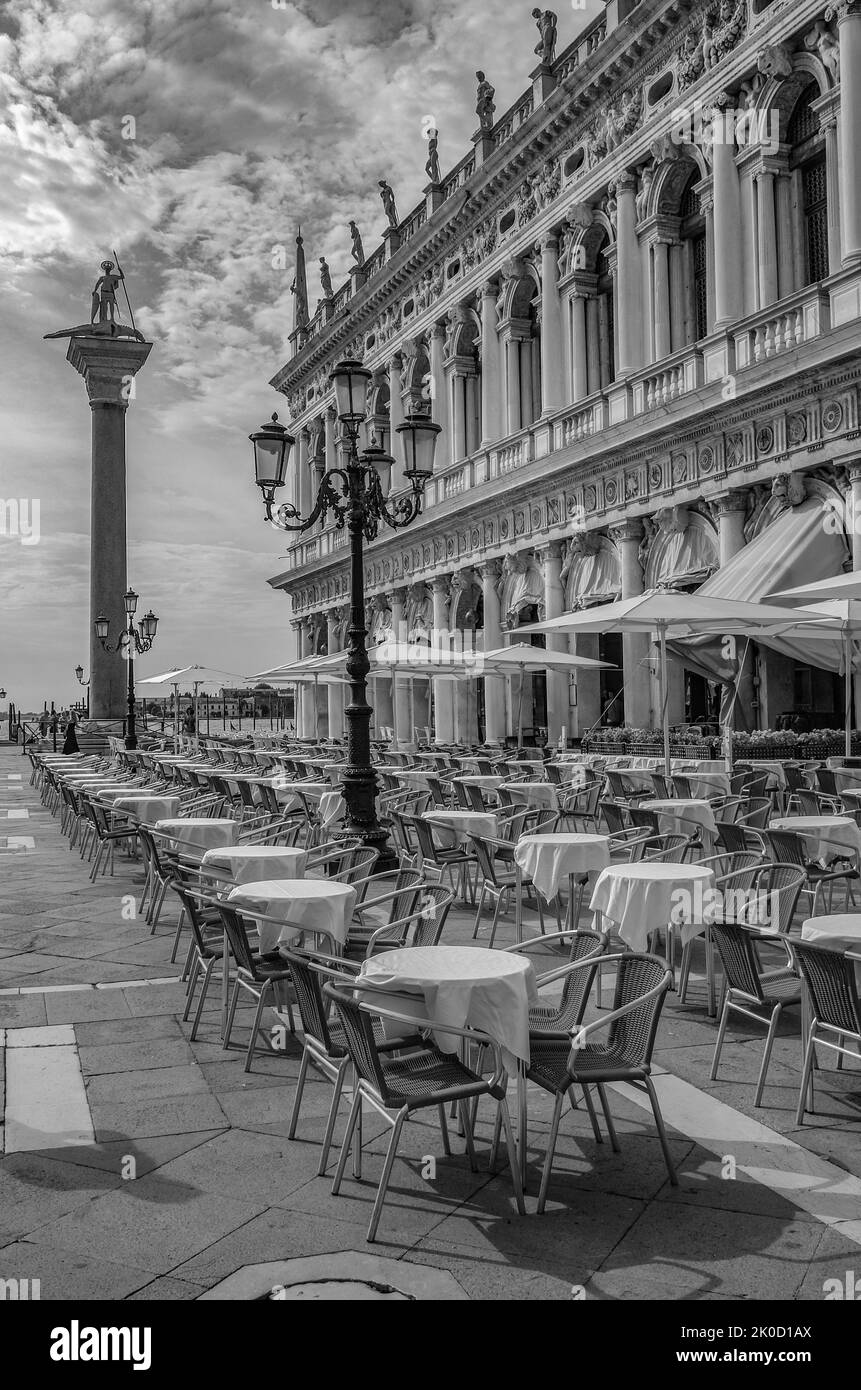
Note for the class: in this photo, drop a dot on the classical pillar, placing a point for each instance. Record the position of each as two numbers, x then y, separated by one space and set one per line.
334 693
854 509
629 277
726 196
491 369
834 193
512 382
396 417
579 348
108 366
439 398
307 691
554 603
731 511
635 646
298 627
766 237
661 300
401 688
552 359
303 474
458 433
494 686
849 32
331 427
442 693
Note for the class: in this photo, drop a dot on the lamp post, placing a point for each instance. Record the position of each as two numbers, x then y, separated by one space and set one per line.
137 640
79 673
354 495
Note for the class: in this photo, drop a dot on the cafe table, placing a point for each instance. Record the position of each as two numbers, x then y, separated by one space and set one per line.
298 905
483 780
838 931
573 774
647 896
707 784
825 837
198 832
549 859
454 827
683 816
466 987
148 810
542 794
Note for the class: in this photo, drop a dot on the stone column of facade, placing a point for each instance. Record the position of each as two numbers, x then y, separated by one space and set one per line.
108 366
854 506
396 417
726 197
731 511
331 427
828 122
552 357
299 629
494 686
629 277
554 603
307 692
303 474
438 387
442 689
849 32
401 705
579 348
511 349
491 369
661 332
766 237
635 646
334 693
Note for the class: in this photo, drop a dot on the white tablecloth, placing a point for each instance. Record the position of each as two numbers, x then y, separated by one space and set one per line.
776 771
571 773
485 781
825 837
705 784
199 832
117 790
548 859
454 827
149 809
541 794
300 904
680 817
838 932
848 778
466 986
245 863
643 897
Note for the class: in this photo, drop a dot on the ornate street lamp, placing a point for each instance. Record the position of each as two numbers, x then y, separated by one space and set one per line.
79 675
354 495
137 640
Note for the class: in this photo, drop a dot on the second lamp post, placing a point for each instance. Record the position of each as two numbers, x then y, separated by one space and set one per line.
138 640
354 495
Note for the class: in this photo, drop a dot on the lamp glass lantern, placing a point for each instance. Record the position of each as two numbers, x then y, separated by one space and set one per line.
130 599
419 436
148 625
102 626
350 380
79 673
272 445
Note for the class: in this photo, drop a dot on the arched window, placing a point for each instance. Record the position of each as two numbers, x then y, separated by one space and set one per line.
807 162
695 265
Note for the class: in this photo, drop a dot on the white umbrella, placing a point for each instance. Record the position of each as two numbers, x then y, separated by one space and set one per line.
837 602
522 657
682 615
189 675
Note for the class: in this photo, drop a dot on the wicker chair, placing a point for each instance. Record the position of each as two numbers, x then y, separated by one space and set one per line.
835 1011
557 1020
557 1065
256 974
498 882
788 848
426 1078
580 806
750 990
663 786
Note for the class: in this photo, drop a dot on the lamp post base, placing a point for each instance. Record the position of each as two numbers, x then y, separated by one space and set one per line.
359 785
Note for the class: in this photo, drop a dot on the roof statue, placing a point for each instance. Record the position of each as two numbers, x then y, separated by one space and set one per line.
432 165
326 278
388 197
104 321
546 45
484 104
358 251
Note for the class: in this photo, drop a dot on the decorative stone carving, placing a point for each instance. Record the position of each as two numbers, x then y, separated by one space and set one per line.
774 61
789 488
388 200
614 126
527 207
647 178
357 250
484 103
822 40
546 183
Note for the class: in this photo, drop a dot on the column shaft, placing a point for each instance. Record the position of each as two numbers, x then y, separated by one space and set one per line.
849 31
491 369
552 391
727 225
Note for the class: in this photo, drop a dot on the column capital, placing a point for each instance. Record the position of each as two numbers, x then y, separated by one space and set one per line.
631 530
398 596
548 243
550 550
733 501
436 332
108 366
492 569
489 290
843 10
441 584
626 182
854 471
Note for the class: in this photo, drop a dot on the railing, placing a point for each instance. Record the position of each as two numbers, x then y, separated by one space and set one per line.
782 328
374 262
674 378
411 225
580 425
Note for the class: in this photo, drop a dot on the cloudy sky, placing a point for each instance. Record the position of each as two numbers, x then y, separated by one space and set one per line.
247 117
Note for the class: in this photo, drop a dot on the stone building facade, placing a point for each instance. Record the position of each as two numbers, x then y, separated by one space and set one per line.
634 308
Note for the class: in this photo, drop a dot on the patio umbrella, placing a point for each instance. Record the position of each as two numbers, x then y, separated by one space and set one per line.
189 675
524 658
682 615
837 602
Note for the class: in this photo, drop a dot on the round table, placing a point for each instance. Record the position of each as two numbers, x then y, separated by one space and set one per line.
198 832
683 816
825 837
455 827
467 986
706 784
148 810
246 863
548 859
299 905
644 897
541 794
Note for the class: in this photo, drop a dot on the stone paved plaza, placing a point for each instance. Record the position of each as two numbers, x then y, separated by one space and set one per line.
99 1070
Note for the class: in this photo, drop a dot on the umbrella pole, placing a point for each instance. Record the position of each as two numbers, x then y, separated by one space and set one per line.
520 713
847 662
665 713
316 709
176 718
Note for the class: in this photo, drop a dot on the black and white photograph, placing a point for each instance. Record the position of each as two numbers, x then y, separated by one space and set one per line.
430 669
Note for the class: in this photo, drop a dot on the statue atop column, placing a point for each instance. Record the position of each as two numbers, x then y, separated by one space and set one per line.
485 105
388 198
104 319
432 165
546 45
326 278
358 251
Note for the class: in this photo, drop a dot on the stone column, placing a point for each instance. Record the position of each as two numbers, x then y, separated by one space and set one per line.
396 417
494 686
766 237
629 277
661 300
635 646
401 687
334 693
579 348
457 386
438 384
442 692
331 428
849 32
554 603
108 366
303 474
512 378
491 369
828 123
299 629
307 692
726 196
731 510
552 360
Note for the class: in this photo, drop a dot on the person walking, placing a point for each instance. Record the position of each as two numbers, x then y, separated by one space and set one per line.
70 743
